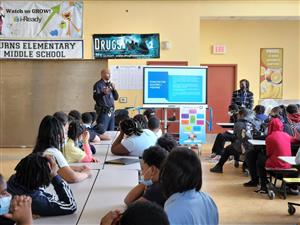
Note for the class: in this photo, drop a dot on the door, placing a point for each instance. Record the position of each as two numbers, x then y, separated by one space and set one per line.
221 80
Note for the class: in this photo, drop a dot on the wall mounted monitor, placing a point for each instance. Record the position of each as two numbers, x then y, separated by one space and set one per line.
174 85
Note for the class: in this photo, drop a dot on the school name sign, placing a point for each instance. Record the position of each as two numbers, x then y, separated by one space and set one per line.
31 49
41 19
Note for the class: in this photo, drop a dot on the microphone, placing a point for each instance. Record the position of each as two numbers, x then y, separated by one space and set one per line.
109 84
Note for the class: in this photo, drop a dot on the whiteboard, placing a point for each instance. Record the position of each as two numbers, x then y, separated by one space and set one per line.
127 77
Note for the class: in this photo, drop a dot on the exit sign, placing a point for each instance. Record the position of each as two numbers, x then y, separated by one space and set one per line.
219 49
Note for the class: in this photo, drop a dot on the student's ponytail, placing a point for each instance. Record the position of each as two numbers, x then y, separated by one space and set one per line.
131 127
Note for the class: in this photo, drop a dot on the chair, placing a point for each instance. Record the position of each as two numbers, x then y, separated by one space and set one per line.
279 174
291 208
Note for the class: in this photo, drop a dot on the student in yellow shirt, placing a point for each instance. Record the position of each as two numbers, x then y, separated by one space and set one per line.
71 151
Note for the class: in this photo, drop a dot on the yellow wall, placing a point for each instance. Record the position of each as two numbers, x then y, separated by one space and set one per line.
179 23
244 39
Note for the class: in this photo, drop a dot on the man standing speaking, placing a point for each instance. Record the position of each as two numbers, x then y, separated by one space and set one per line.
105 93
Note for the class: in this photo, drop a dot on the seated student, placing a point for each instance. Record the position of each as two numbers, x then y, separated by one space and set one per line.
148 113
235 149
278 143
20 207
33 174
233 111
259 111
132 140
64 119
74 115
138 213
149 188
154 125
71 150
181 178
94 118
95 136
167 141
49 140
293 117
221 138
120 115
251 156
141 120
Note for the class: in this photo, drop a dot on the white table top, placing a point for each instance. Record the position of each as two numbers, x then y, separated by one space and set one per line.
110 189
288 159
113 135
226 125
229 131
81 192
101 154
257 142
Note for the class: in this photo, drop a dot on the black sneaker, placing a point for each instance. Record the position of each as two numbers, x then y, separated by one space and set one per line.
216 169
251 183
236 164
261 191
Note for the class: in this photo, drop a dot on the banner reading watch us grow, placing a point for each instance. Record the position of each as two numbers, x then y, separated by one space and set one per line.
41 19
271 76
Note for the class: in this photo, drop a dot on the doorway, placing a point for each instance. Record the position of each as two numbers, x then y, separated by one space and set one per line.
221 80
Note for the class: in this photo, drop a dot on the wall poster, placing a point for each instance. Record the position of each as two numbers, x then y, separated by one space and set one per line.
271 73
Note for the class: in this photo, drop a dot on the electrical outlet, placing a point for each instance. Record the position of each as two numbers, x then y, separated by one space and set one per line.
123 99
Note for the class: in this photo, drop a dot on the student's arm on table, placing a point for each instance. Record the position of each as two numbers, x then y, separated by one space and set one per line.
117 148
72 176
111 218
104 136
135 194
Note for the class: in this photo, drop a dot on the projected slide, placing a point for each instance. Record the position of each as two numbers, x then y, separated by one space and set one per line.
175 85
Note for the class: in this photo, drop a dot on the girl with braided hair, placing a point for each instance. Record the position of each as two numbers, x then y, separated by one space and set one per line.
132 140
34 174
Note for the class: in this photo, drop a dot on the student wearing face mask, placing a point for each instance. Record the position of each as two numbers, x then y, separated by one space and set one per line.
243 97
15 210
71 151
221 138
149 188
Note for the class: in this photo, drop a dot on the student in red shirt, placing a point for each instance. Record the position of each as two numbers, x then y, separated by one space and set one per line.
278 143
